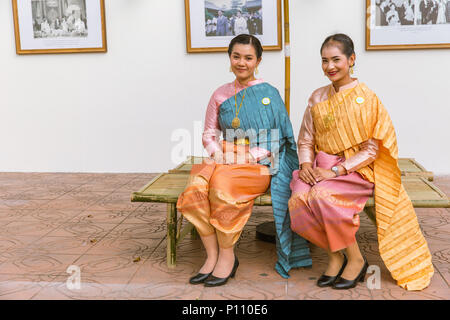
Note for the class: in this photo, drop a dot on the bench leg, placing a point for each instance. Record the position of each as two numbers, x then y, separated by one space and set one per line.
171 235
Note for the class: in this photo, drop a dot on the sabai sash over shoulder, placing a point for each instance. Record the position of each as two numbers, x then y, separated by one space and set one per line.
343 122
262 109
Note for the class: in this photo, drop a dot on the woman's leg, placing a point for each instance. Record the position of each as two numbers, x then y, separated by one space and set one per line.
335 262
233 189
355 262
336 203
225 262
193 204
212 253
305 222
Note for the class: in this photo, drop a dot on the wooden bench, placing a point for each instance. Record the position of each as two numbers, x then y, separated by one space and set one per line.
166 187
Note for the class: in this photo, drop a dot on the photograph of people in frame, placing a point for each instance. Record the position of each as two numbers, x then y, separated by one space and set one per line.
233 17
59 18
59 26
412 12
407 24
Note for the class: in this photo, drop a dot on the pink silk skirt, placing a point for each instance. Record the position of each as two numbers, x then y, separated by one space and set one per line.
326 214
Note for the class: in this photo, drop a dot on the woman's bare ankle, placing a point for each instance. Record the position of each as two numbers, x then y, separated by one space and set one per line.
335 261
209 265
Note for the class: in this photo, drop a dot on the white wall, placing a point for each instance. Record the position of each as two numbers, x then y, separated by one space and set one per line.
116 112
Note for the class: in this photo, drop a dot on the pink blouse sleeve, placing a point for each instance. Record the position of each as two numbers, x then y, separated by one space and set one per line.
306 138
211 132
365 156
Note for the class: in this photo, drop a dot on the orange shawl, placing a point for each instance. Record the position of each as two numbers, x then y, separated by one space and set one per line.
343 122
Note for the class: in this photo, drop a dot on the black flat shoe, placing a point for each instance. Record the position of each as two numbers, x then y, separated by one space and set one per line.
327 281
199 278
342 283
213 281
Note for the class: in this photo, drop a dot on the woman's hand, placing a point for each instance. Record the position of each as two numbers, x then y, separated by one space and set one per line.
307 174
218 156
323 174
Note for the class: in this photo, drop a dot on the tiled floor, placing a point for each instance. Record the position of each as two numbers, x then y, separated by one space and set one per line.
49 222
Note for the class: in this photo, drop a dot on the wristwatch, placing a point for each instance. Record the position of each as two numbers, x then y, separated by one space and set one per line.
335 170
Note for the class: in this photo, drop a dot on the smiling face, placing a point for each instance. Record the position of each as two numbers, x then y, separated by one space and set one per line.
335 64
244 61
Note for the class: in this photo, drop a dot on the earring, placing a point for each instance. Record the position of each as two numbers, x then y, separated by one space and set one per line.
351 70
231 69
256 70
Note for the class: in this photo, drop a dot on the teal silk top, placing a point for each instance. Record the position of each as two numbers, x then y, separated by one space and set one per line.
272 130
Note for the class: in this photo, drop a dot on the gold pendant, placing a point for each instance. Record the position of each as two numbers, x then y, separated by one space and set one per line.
236 123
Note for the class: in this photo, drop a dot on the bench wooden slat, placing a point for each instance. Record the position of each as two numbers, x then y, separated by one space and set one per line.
408 166
168 186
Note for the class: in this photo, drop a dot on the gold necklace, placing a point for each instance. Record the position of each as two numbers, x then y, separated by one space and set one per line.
236 123
330 115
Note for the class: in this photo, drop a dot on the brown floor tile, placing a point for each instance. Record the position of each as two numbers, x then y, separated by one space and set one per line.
155 269
84 230
120 196
22 204
61 245
115 177
109 216
91 288
443 183
16 242
28 228
149 216
22 287
134 185
67 203
9 215
119 246
86 196
97 187
148 207
117 266
163 290
116 201
156 230
44 215
299 292
35 264
441 261
12 193
237 289
44 193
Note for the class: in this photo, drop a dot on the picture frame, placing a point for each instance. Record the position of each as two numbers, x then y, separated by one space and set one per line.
407 24
59 26
206 31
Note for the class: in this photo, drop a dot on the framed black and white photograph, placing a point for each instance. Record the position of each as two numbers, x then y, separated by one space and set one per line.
407 24
59 26
211 24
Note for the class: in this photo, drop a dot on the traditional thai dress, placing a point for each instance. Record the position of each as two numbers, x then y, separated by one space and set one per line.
219 197
352 128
